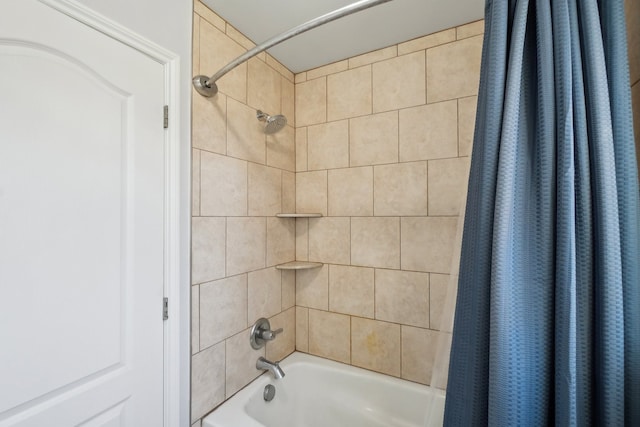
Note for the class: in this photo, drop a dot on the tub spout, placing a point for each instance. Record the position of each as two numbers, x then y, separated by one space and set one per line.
273 367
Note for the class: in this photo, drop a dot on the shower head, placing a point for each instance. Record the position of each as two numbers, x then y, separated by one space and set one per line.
272 123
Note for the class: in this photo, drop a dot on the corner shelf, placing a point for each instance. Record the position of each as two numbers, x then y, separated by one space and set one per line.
299 215
299 265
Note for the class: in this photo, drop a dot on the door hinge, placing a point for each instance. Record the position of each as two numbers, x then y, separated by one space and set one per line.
166 116
165 308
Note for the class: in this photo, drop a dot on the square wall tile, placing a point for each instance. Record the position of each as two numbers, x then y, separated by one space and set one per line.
311 102
240 38
429 132
311 192
302 239
438 294
263 87
375 56
334 67
302 329
329 240
217 50
402 297
400 189
276 65
375 345
223 309
207 380
466 124
351 290
375 242
209 123
285 343
288 191
195 42
399 82
418 354
312 288
207 249
288 99
195 319
209 15
351 192
195 182
265 190
329 335
288 289
246 244
301 149
328 145
470 30
223 185
374 139
265 294
453 70
241 363
281 149
428 243
349 93
245 135
448 179
281 241
422 43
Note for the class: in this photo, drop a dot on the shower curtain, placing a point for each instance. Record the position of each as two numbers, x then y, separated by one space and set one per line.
547 320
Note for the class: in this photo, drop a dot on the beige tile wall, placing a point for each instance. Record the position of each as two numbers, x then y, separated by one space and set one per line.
241 179
632 9
381 148
382 151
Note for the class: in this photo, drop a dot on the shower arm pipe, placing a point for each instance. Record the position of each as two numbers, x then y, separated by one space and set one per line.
206 86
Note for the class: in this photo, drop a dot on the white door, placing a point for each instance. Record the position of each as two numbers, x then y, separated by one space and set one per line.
81 224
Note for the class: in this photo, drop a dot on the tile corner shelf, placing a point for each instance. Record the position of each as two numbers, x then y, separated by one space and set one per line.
299 215
298 265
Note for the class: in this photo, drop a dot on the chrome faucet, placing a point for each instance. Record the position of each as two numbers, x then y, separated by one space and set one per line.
261 333
273 367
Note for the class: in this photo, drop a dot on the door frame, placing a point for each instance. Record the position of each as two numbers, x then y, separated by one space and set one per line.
176 364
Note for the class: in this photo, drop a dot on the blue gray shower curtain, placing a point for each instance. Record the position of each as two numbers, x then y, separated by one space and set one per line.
547 322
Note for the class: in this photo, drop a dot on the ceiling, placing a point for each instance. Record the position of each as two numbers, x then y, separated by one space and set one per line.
371 29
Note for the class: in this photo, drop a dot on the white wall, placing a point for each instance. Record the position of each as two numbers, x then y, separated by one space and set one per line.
168 23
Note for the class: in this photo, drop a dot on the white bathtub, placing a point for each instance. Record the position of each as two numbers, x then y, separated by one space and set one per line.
316 392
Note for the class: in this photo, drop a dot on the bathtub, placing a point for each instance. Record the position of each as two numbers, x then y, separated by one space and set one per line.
316 392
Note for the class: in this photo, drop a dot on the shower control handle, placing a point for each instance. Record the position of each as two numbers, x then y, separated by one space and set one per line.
261 333
270 335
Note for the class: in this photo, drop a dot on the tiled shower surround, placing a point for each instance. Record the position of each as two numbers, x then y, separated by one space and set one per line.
380 145
382 151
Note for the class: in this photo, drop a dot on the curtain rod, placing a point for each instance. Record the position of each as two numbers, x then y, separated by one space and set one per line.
206 86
